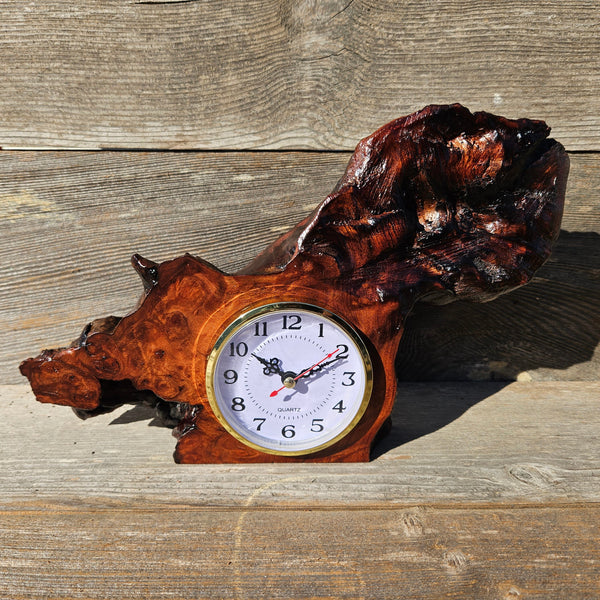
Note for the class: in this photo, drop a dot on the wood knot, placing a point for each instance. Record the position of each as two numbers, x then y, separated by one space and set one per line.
411 525
108 365
455 560
512 594
176 326
538 476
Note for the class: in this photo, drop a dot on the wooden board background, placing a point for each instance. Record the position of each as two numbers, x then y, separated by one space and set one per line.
223 123
285 74
481 502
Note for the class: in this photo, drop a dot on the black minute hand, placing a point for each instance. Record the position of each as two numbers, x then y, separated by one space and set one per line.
320 367
290 382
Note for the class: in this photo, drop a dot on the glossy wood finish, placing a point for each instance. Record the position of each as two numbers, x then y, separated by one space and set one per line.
442 204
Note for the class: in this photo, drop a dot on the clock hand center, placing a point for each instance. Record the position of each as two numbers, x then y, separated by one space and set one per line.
290 382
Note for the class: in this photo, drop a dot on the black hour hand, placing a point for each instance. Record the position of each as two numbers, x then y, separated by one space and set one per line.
272 366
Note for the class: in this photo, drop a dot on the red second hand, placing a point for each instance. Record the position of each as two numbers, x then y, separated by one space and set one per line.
274 393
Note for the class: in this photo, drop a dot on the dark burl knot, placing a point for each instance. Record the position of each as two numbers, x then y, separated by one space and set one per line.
443 201
438 205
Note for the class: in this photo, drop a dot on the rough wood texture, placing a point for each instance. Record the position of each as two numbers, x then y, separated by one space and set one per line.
190 553
441 204
481 502
451 444
287 74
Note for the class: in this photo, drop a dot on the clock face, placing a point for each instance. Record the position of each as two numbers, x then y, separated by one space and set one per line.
289 378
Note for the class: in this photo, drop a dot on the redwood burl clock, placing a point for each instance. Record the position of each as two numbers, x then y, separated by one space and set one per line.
292 358
282 405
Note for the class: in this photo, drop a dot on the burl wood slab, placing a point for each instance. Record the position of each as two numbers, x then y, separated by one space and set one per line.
439 205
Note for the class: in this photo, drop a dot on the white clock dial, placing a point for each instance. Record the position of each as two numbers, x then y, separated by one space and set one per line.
289 378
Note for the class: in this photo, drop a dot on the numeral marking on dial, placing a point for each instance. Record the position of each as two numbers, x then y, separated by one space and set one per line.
260 328
344 352
292 322
230 376
289 431
240 349
348 378
237 404
317 425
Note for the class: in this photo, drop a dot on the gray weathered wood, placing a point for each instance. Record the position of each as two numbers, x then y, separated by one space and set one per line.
420 553
549 329
287 74
71 220
457 444
481 491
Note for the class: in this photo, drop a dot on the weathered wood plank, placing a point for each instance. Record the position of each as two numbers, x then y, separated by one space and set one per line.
458 445
421 552
71 220
287 74
481 491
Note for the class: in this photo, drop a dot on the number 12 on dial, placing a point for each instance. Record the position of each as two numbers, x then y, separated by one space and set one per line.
289 378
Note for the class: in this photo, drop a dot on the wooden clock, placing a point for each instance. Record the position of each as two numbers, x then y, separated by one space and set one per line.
292 358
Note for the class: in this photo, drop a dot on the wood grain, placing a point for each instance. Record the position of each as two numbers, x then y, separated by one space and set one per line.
471 498
286 74
419 552
71 220
452 444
